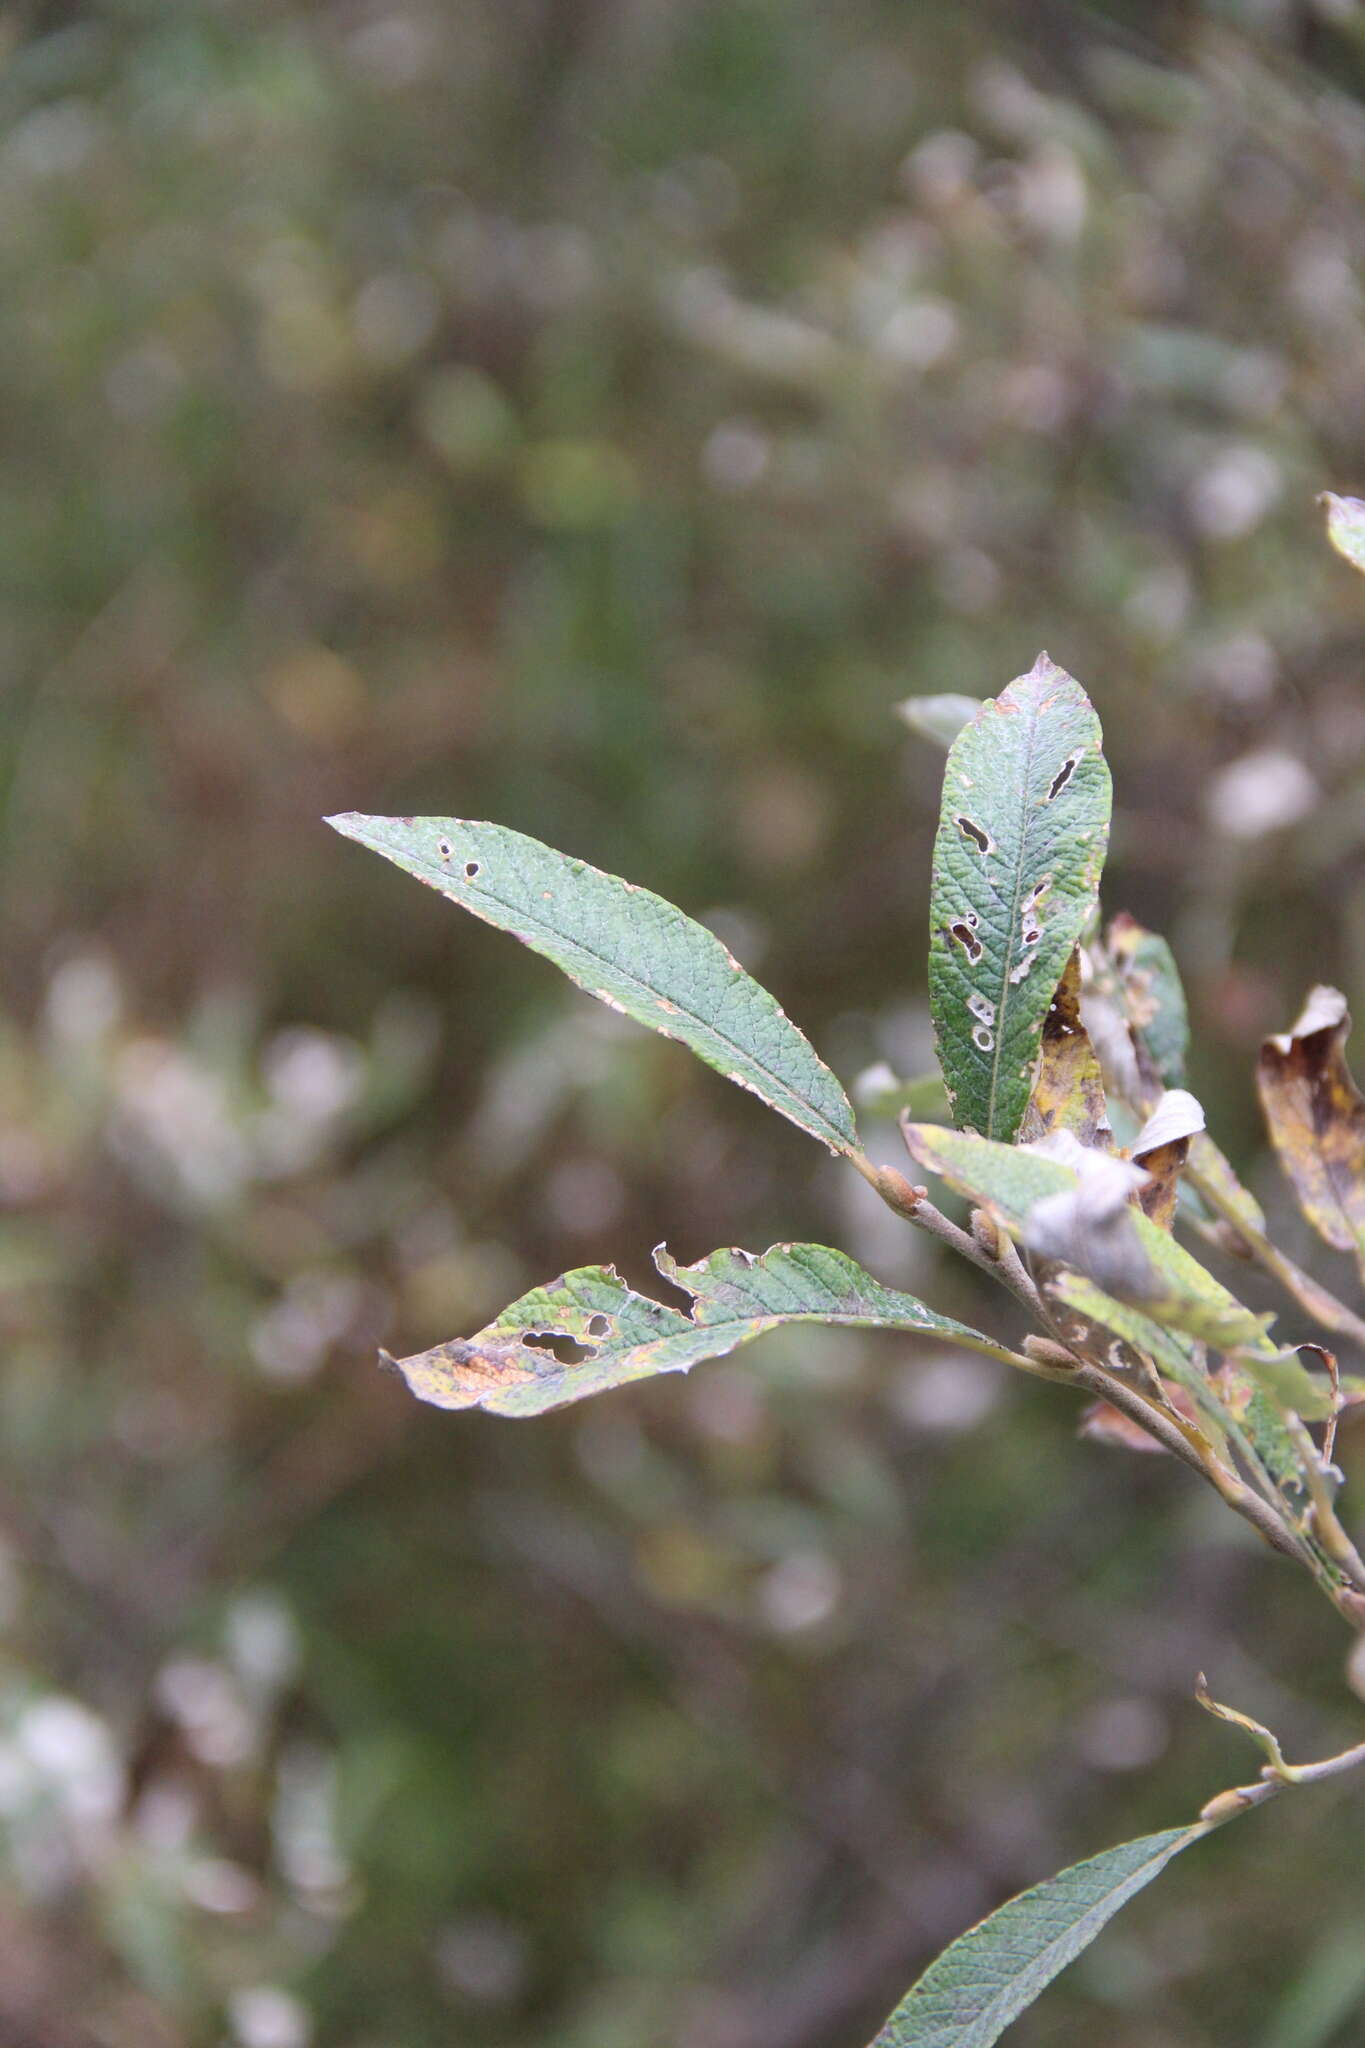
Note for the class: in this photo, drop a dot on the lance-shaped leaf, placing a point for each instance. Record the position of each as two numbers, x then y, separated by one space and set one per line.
628 947
996 1970
1316 1116
512 1368
1346 527
1068 1088
1091 1225
1021 840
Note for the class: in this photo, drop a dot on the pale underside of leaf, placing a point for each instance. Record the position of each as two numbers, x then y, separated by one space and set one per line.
1017 858
971 1993
510 1368
630 948
1143 1263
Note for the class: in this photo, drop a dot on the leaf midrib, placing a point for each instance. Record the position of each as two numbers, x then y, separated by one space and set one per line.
841 1140
1035 720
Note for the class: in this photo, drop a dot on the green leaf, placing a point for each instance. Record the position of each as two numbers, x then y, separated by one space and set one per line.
511 1369
940 719
1135 1260
996 1970
629 948
1346 527
1021 840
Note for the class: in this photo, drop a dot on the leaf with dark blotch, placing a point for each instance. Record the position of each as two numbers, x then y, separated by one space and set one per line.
995 1971
617 1336
1161 1148
1346 527
1316 1116
1021 837
1068 1088
1137 1257
626 946
940 718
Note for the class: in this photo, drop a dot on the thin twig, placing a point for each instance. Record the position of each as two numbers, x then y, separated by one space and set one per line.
1315 1299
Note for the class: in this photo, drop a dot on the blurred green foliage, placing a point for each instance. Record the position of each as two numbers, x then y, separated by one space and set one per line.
597 417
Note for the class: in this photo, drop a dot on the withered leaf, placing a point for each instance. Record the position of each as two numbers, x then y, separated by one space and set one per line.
1162 1147
1068 1088
1316 1116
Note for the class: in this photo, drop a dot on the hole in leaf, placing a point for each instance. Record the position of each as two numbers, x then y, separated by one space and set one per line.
565 1348
443 848
1063 776
471 868
960 930
981 1007
1032 935
599 1326
983 1038
980 838
1034 898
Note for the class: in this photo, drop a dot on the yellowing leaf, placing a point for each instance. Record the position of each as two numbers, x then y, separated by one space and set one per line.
587 1331
1068 1089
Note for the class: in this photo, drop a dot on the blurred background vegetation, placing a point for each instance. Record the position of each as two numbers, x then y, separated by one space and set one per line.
596 415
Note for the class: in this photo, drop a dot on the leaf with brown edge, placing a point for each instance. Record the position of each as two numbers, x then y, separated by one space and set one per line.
1161 1148
1316 1116
1068 1088
588 1331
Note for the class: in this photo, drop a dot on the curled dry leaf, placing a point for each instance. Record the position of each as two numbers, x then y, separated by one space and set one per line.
1316 1116
1161 1148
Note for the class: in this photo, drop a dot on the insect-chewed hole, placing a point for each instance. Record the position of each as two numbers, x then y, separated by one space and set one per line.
471 868
443 848
1032 935
980 838
960 930
1063 776
566 1349
599 1325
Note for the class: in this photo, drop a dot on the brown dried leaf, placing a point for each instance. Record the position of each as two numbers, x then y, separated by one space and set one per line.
1068 1088
1316 1116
